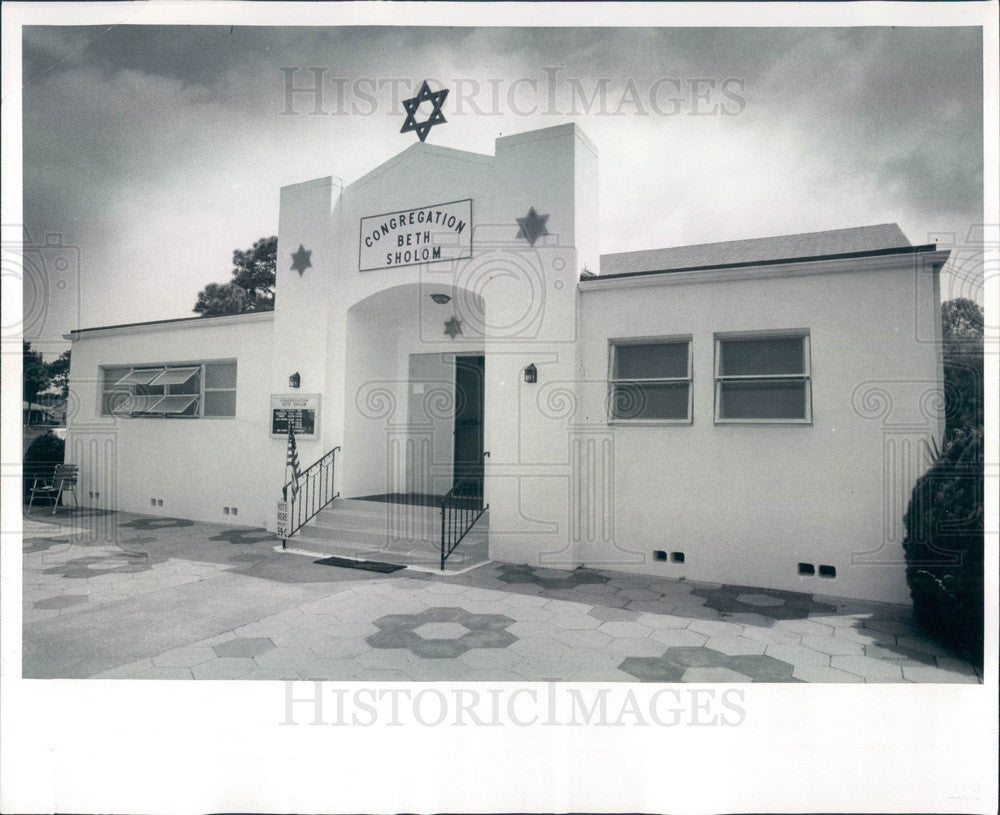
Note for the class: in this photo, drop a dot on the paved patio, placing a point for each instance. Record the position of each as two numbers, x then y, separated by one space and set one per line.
123 596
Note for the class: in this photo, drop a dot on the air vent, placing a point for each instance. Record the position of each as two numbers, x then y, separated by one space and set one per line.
677 557
807 569
827 571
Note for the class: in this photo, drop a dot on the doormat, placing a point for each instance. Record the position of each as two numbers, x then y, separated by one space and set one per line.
365 565
417 499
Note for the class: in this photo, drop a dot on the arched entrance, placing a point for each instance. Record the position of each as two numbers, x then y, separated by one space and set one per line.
414 393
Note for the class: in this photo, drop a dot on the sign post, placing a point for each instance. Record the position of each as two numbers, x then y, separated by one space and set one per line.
284 524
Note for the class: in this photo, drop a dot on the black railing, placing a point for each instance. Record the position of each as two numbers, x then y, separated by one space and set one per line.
460 509
316 489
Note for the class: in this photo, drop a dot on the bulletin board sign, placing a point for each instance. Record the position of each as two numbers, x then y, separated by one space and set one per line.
299 411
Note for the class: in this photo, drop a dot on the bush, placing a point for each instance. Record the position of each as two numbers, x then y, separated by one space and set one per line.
41 458
944 522
944 546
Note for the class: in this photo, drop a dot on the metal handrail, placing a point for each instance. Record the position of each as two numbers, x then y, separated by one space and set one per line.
316 489
459 513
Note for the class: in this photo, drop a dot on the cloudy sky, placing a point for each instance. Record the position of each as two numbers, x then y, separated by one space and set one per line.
153 152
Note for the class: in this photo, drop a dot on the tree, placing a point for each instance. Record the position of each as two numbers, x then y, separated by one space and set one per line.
252 285
961 320
35 376
58 371
962 334
944 521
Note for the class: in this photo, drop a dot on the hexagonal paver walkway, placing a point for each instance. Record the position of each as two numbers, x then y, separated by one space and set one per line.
221 603
243 647
442 632
768 603
700 664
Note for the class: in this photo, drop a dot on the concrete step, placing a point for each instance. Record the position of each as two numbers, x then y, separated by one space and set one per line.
357 506
426 553
373 538
407 534
397 523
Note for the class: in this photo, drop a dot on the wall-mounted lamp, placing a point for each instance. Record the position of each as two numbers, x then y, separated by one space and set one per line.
440 299
294 380
531 374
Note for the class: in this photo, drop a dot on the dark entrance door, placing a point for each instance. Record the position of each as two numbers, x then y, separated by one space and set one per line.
469 394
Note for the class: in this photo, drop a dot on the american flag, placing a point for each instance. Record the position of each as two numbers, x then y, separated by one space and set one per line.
292 460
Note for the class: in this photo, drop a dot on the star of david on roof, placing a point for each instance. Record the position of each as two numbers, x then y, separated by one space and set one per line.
436 98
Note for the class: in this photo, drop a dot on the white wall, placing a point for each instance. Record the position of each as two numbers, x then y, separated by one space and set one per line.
747 503
195 466
533 319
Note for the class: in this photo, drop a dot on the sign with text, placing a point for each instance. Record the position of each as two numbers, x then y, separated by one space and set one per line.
302 412
430 234
284 524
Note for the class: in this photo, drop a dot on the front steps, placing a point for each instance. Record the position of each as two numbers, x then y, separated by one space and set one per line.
404 534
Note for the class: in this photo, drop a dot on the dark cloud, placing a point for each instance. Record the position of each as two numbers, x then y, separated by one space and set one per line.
134 135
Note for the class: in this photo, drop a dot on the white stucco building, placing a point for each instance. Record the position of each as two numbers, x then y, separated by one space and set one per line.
751 412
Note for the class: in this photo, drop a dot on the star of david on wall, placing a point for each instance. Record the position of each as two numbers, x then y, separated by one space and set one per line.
532 226
300 259
436 98
453 327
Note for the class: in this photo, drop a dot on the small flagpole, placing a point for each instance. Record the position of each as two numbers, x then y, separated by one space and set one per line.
292 460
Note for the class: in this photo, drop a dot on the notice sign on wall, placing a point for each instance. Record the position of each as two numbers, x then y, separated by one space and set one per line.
301 412
430 234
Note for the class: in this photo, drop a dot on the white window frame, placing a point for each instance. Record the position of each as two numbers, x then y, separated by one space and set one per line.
674 339
806 376
161 367
204 390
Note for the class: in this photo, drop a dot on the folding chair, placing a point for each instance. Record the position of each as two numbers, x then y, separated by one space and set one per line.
62 480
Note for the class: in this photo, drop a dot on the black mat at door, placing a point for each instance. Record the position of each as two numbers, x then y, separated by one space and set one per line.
365 565
417 499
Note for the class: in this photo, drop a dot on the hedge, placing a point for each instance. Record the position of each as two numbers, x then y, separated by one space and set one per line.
944 546
41 458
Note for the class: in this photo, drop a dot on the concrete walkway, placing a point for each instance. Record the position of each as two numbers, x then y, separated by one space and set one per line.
116 595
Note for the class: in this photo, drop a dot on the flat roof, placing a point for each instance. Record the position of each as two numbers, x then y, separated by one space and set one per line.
900 250
744 250
254 315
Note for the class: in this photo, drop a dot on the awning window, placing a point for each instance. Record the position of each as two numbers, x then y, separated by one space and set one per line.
140 376
175 376
126 405
173 405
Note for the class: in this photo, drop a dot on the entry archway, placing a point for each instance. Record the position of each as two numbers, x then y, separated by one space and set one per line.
412 402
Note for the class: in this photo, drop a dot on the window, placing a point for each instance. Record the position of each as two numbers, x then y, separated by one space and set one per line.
220 389
763 378
651 381
190 390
